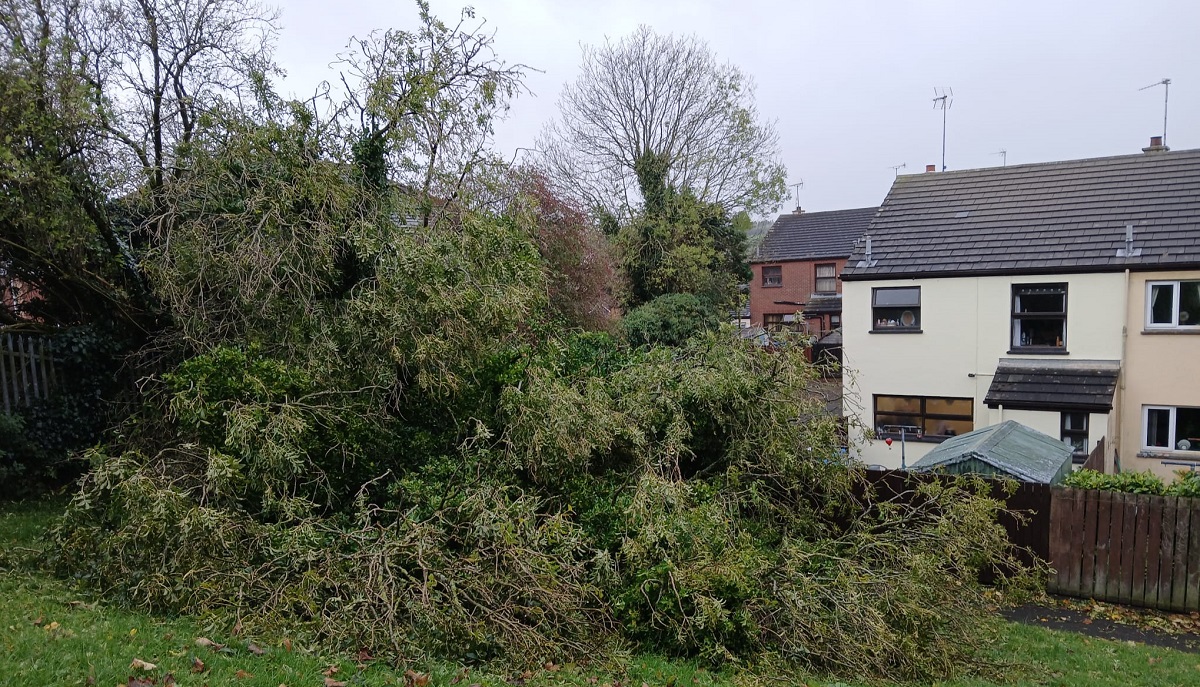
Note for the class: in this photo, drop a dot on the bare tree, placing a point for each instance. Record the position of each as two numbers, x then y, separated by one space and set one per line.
667 96
157 66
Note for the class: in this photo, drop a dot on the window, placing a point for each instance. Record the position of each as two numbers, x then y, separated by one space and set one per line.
924 417
1075 434
896 308
1173 429
835 321
1039 317
773 321
772 276
1172 304
826 278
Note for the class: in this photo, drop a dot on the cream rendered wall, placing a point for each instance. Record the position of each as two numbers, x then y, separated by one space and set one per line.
1161 369
965 330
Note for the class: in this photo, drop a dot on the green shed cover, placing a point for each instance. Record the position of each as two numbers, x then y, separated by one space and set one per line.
1009 449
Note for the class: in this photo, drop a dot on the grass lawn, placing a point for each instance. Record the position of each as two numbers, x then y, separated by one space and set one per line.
53 635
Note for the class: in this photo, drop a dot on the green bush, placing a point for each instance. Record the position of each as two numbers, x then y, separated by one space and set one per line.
669 320
1186 483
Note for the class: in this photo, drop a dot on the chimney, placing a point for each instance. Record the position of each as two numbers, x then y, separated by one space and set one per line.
1156 146
798 211
930 168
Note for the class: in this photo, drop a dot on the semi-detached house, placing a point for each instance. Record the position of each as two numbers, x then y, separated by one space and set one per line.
1063 295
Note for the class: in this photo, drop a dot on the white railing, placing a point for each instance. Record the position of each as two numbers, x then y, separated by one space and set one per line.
27 370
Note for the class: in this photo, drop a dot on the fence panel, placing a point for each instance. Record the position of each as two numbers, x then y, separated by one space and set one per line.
1129 548
27 370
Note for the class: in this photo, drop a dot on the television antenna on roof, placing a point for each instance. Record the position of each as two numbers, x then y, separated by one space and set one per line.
798 185
1003 157
1166 84
897 168
943 99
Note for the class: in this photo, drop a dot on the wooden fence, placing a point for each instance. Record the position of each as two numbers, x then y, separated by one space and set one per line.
1133 549
27 370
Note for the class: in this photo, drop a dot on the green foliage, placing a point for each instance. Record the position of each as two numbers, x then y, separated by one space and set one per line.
678 244
365 426
1186 483
669 320
40 439
1128 482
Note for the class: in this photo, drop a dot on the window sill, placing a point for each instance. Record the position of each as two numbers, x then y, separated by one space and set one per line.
897 330
772 286
910 438
1168 454
1172 330
1033 350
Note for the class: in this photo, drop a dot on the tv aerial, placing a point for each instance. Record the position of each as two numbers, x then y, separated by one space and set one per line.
1166 84
798 185
897 168
1003 157
943 100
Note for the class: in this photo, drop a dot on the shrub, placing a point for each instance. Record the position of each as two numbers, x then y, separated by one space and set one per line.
1128 482
669 320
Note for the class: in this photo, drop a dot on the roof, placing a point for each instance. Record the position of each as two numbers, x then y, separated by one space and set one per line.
1044 218
1054 384
823 303
1010 447
813 235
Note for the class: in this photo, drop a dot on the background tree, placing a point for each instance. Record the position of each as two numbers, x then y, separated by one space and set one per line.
669 96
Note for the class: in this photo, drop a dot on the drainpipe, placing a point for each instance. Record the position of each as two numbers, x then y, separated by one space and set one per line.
1119 406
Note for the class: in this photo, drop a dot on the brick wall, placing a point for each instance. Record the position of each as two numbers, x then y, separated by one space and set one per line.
799 279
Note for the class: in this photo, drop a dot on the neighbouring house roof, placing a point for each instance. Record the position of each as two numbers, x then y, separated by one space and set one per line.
1008 448
1041 218
1054 384
813 235
824 303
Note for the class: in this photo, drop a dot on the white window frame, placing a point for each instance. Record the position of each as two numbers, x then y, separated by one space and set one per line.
1176 293
1171 426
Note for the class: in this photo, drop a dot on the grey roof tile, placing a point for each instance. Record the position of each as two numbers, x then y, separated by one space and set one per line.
812 235
1038 217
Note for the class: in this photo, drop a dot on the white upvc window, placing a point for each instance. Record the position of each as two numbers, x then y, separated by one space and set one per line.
1171 428
1173 304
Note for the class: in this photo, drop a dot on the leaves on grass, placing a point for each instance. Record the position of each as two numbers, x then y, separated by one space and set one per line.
198 665
414 679
208 644
330 682
139 664
287 645
242 675
255 649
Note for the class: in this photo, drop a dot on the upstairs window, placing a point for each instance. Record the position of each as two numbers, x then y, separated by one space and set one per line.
1172 304
772 275
896 308
1039 317
826 281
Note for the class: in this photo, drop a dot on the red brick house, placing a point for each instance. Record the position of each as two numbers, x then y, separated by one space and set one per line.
797 269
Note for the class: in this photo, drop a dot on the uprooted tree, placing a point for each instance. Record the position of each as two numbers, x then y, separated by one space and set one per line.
370 428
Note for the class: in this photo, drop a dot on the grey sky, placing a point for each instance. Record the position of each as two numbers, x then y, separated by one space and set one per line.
850 83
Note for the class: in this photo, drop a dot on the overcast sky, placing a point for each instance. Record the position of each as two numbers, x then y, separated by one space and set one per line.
850 84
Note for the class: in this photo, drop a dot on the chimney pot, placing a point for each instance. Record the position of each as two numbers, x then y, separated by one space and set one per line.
1155 141
930 168
1156 146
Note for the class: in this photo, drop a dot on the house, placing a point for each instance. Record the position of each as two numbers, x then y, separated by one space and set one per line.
796 269
1063 295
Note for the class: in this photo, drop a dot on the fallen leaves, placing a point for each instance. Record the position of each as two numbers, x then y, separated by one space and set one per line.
243 675
207 643
255 649
330 682
414 679
198 665
139 664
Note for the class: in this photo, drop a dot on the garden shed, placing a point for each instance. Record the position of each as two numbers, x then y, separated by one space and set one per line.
1008 449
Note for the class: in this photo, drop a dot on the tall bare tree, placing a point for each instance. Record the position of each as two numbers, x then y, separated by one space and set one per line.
667 96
